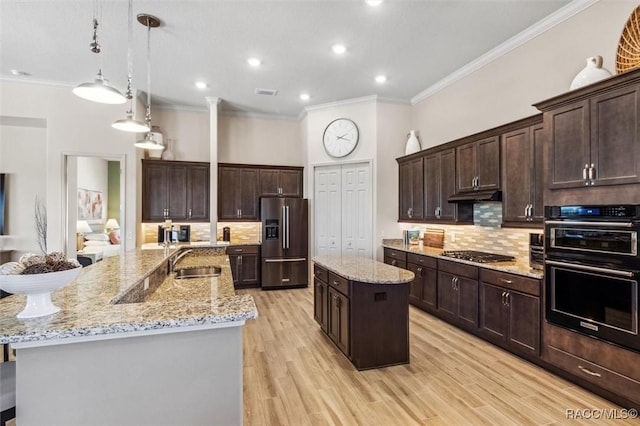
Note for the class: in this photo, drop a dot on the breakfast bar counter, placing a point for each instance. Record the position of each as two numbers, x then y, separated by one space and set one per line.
133 345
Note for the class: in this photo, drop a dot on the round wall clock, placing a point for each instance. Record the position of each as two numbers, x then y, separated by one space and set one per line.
340 137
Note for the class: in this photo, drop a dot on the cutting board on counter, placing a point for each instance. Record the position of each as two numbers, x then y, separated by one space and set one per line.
433 237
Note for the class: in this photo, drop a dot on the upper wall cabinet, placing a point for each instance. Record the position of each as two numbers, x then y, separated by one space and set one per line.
176 190
439 185
411 190
594 138
522 175
478 165
282 182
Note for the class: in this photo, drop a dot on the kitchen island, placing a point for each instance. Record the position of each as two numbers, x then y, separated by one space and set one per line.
363 307
132 345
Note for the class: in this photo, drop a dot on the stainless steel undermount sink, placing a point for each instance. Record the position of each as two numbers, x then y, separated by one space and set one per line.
201 272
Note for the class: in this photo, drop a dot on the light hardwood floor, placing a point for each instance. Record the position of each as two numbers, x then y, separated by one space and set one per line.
294 375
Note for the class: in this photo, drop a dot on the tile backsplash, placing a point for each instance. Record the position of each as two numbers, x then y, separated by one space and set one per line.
242 232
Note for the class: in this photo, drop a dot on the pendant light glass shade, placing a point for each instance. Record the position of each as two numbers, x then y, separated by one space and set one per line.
99 91
130 124
149 142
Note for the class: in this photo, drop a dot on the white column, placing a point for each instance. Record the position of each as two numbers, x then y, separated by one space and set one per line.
213 102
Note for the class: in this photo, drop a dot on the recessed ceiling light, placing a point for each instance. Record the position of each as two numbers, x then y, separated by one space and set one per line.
19 73
374 3
305 96
254 62
339 49
201 85
381 78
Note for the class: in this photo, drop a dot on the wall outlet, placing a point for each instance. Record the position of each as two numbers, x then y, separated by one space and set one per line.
146 284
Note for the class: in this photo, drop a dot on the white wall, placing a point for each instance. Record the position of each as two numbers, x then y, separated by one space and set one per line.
74 126
187 132
504 90
23 158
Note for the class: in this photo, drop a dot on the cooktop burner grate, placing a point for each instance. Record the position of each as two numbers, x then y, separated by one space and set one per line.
478 256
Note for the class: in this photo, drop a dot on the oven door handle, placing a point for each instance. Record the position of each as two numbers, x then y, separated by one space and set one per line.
590 268
573 222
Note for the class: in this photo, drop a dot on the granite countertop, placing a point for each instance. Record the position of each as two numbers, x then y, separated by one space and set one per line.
86 309
515 267
364 269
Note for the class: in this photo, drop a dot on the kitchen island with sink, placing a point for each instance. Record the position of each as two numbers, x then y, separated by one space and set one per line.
133 345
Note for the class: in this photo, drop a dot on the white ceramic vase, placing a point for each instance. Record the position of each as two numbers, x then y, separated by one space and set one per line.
168 154
591 73
413 144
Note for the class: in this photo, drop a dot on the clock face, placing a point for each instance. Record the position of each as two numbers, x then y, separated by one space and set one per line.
340 137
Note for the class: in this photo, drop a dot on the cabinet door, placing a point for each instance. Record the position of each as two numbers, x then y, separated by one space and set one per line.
537 172
248 201
467 302
466 167
291 183
489 163
447 296
320 304
524 322
448 211
198 193
249 268
493 313
516 189
570 145
615 140
154 199
177 189
415 286
339 320
405 191
411 190
235 271
429 299
432 187
269 182
229 186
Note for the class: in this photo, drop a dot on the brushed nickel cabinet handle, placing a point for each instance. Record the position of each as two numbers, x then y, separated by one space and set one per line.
506 281
589 372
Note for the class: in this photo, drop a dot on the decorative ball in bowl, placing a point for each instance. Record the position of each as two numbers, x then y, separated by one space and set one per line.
38 288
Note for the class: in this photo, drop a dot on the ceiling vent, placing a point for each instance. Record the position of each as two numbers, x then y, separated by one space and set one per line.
266 92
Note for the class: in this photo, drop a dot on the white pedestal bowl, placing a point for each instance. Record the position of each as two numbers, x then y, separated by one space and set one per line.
38 288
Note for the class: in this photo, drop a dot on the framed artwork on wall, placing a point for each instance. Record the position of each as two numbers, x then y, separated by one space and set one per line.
90 205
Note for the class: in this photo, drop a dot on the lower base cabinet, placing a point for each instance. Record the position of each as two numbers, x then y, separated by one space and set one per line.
245 265
369 323
458 294
510 311
423 288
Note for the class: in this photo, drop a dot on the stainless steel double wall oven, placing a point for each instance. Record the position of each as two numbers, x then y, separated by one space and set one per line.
592 268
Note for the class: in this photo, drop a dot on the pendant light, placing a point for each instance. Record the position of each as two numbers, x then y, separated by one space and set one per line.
99 90
130 124
149 142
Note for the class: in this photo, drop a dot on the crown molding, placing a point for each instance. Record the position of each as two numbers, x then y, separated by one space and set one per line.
514 42
247 114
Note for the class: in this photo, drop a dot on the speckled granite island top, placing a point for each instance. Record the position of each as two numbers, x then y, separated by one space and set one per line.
86 309
515 267
364 270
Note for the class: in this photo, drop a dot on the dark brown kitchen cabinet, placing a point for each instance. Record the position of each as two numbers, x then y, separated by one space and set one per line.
523 168
396 258
411 190
285 182
439 184
338 326
245 265
458 294
175 190
594 137
238 193
422 290
478 165
510 314
321 297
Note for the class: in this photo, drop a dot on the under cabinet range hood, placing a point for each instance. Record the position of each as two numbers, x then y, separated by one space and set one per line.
477 196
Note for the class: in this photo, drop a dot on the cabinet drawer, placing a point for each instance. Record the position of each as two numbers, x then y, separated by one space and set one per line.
595 373
458 269
243 250
395 262
428 261
395 254
511 281
320 273
339 283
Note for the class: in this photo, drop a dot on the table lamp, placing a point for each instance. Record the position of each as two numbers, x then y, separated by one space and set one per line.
82 227
111 225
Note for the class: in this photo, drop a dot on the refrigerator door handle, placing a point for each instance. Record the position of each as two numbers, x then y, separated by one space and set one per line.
287 210
284 227
297 259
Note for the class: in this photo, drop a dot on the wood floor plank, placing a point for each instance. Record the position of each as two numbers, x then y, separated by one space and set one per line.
295 375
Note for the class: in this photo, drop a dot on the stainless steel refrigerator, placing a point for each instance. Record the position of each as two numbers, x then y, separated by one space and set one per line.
285 249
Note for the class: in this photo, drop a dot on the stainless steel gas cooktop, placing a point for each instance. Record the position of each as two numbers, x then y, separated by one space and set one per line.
478 256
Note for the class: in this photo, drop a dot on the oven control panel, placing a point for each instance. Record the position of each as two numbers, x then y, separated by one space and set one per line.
624 211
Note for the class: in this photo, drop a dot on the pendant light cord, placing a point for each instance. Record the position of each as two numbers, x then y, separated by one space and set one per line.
149 73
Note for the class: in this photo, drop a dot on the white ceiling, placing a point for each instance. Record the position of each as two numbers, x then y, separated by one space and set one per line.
414 43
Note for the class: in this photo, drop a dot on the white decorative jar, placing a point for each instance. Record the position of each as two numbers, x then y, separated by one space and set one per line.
591 73
167 154
413 144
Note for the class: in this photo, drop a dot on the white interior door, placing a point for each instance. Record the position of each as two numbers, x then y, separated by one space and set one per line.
343 209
